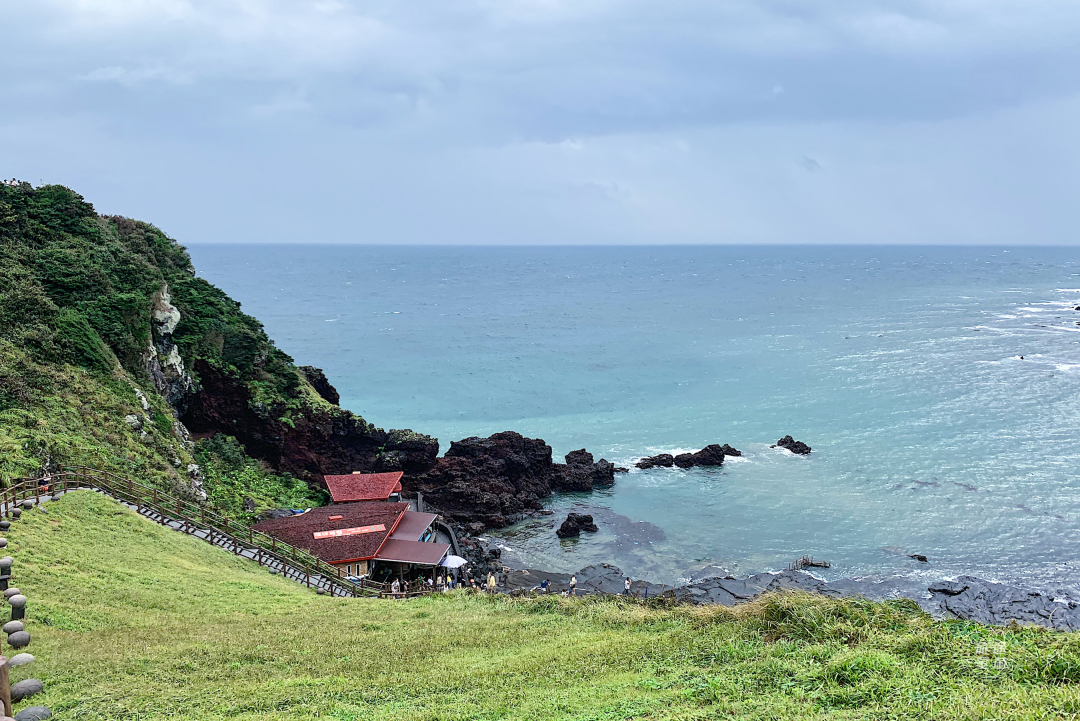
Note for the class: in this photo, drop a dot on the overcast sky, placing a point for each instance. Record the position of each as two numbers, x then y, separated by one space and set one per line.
553 121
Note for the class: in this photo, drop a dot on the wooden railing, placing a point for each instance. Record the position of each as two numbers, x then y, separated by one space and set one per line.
194 519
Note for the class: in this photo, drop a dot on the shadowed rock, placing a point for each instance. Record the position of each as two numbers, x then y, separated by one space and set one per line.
321 384
19 639
663 460
797 447
574 524
34 713
26 689
492 482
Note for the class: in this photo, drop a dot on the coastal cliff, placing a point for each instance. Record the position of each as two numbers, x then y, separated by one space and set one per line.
113 352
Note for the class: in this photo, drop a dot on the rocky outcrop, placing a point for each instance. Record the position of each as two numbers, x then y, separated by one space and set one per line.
317 442
574 524
663 460
580 472
994 603
162 358
491 482
321 384
797 447
712 455
729 451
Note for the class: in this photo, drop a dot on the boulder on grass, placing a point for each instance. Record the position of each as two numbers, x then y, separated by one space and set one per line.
26 689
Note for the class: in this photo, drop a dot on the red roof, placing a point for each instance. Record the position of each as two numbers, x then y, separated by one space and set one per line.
363 486
413 526
300 530
425 554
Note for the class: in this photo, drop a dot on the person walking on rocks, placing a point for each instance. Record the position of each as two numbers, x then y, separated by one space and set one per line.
626 587
491 583
573 585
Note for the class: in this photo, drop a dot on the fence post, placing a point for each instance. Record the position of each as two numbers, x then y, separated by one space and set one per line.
5 685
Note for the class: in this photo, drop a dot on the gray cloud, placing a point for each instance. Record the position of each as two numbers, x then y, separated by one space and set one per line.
552 121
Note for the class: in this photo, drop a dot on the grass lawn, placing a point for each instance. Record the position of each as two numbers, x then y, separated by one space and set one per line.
133 621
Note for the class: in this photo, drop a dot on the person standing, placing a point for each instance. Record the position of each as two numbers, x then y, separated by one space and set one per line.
626 587
491 582
395 588
573 585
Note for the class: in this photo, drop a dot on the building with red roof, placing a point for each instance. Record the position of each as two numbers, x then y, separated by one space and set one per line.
357 537
357 487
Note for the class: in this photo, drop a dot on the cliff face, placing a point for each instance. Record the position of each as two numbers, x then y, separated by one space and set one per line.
114 307
307 438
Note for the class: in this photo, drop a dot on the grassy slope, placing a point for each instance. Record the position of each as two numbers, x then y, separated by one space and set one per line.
75 301
131 620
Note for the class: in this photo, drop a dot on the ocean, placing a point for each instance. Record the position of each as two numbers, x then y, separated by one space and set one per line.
938 387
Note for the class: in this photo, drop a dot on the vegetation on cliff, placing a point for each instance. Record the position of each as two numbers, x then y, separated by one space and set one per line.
131 620
108 337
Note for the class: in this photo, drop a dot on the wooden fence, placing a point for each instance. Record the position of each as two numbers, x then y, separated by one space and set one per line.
194 519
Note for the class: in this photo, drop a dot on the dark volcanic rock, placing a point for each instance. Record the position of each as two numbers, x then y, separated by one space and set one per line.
491 482
321 384
994 603
574 524
711 455
729 451
793 445
580 473
601 577
664 460
327 441
579 458
684 460
34 713
620 469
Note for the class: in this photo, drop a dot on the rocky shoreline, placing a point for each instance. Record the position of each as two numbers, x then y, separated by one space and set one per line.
966 598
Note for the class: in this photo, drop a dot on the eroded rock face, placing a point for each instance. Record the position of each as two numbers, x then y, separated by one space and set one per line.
324 441
162 358
996 604
574 524
797 447
491 482
321 384
580 472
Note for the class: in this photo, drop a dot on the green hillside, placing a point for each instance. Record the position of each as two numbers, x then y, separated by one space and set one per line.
108 338
133 621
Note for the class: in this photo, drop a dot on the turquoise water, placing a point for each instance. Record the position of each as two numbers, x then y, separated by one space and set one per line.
899 365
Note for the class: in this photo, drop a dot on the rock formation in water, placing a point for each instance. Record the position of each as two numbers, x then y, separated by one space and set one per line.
490 482
574 524
797 447
663 460
711 455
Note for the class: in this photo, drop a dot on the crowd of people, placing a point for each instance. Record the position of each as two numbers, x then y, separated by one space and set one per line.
447 583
